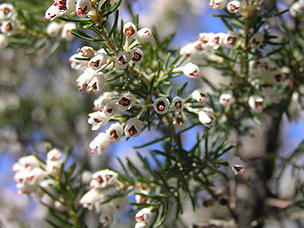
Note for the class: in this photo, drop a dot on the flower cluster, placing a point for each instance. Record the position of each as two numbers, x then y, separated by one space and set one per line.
104 184
9 24
31 175
54 29
232 6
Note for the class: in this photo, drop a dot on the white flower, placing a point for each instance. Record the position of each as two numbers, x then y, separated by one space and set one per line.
54 155
145 215
161 105
86 51
226 99
51 13
104 178
26 163
133 127
188 50
115 131
230 39
141 225
8 28
256 103
77 63
191 70
102 100
67 31
53 29
53 162
141 199
98 61
136 55
3 41
297 8
59 8
259 68
178 103
237 165
96 84
105 219
199 96
257 40
180 120
92 200
32 179
233 6
122 60
129 29
111 108
83 7
7 11
100 143
206 117
125 102
205 38
98 119
85 78
218 4
143 35
217 40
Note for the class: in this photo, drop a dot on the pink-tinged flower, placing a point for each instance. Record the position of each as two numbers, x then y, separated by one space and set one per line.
199 96
9 28
233 6
206 117
100 143
140 198
85 78
188 50
180 120
96 84
237 165
218 4
7 12
129 29
115 131
122 60
125 102
98 61
257 40
145 215
104 178
83 7
226 99
98 119
59 8
191 70
67 31
178 104
161 105
256 103
133 127
136 55
26 163
230 39
111 108
217 40
143 35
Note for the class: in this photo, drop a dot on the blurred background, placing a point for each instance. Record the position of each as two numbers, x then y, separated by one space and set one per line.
39 103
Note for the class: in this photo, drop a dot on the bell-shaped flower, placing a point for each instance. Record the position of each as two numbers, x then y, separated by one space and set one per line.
233 6
102 101
125 102
199 96
53 29
161 105
226 99
230 39
136 55
83 7
237 165
115 131
257 40
86 52
100 143
67 31
105 219
104 178
98 61
217 40
145 215
91 199
111 108
85 78
180 120
187 50
178 104
96 84
9 28
143 35
122 60
256 103
133 127
7 12
98 119
77 62
191 70
218 4
129 29
206 117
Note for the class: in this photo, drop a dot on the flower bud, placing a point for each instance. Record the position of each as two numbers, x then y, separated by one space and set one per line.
143 35
129 29
83 7
237 165
226 99
206 117
122 60
136 55
53 29
257 40
133 127
191 70
111 108
233 6
98 61
67 31
100 143
218 4
256 103
98 119
114 132
126 101
178 104
161 105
